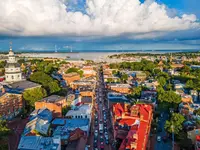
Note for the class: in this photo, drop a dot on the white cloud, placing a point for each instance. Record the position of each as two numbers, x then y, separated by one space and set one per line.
103 18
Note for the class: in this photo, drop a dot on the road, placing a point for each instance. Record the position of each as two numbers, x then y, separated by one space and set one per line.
163 145
102 125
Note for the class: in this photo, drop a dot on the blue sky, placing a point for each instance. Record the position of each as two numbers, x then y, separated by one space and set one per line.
100 24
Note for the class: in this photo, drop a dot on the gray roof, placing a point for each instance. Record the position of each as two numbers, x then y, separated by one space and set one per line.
12 65
53 98
24 85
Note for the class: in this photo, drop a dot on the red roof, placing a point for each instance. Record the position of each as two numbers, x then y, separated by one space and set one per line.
198 137
140 126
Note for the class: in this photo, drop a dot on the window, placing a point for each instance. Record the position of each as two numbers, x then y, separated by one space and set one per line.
12 77
85 116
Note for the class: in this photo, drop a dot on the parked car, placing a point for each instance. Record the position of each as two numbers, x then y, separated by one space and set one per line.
159 138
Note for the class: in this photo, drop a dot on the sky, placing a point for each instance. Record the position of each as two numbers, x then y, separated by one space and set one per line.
42 25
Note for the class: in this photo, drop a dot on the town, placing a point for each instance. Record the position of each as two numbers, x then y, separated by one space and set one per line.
131 102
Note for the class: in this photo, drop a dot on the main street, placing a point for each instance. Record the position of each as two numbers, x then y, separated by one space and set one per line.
101 125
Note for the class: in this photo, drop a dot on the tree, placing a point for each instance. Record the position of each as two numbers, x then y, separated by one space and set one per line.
4 130
197 112
190 84
169 96
124 77
175 123
53 87
162 81
41 77
136 92
33 95
73 69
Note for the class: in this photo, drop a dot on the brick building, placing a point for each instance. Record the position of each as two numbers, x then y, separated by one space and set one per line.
121 88
11 104
54 103
132 125
70 77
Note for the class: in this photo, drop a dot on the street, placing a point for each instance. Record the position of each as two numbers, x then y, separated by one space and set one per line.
101 125
163 145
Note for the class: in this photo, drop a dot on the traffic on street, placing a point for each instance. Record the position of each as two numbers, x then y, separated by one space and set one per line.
101 125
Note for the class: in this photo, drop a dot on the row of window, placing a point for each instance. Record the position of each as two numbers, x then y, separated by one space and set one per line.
13 76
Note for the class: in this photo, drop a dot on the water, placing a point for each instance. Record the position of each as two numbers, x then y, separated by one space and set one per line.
97 55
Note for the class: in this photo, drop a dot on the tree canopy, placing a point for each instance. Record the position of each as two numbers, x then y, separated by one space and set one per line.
4 130
33 95
77 70
175 124
168 96
47 81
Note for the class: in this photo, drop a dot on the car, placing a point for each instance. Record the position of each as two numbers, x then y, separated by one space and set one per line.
102 145
96 133
101 139
159 138
107 141
95 143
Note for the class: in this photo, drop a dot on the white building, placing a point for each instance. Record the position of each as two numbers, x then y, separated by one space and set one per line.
83 111
12 69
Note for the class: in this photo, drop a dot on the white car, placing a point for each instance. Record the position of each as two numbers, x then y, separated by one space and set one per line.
159 138
96 132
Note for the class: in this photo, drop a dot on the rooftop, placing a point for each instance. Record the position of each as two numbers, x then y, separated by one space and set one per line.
81 110
39 143
52 99
86 99
23 85
120 85
71 74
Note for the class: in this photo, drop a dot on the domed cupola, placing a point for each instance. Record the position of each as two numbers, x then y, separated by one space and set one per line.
12 69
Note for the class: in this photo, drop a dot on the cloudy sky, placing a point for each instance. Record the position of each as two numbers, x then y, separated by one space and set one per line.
99 24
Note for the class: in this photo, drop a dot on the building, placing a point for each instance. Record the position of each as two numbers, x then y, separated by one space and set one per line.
23 85
114 97
39 123
88 71
121 88
11 103
12 69
78 84
39 143
54 103
132 125
70 77
82 111
149 97
192 135
65 128
197 142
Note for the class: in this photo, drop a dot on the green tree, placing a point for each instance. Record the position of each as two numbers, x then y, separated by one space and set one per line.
190 84
33 95
4 130
175 124
53 87
197 112
169 96
41 77
136 92
124 77
162 81
73 69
